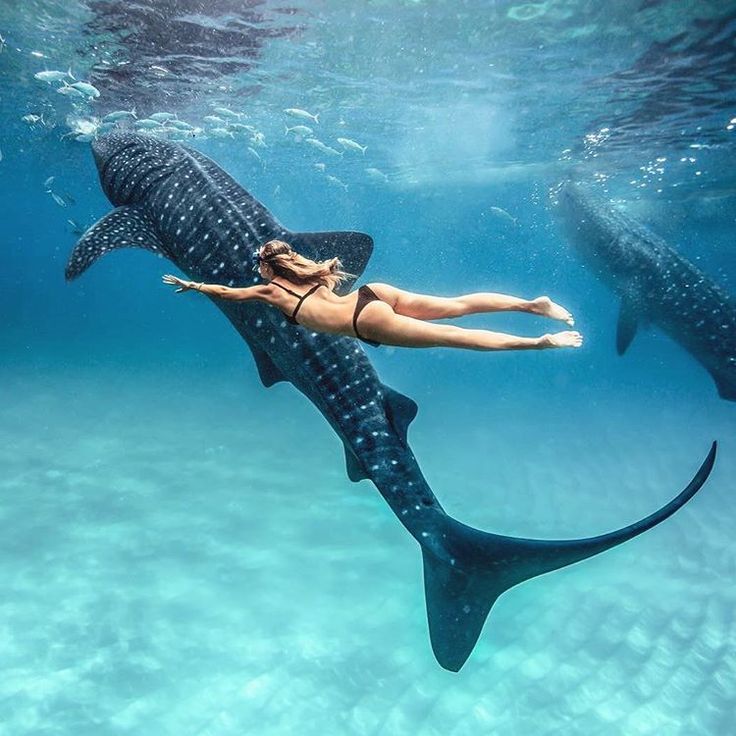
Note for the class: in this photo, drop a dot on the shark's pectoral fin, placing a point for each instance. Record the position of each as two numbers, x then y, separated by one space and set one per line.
627 325
352 248
356 471
268 371
124 227
466 569
400 411
726 384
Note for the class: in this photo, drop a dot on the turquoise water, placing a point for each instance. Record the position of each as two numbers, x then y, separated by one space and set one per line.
182 550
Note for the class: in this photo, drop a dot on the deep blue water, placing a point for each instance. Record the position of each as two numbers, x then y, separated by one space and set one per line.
182 550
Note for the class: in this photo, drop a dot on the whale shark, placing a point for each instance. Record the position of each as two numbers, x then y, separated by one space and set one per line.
176 203
655 283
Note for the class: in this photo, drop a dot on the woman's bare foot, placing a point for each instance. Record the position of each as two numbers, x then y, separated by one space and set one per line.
545 307
567 339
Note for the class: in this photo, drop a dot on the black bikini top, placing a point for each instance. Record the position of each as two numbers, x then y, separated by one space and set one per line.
301 297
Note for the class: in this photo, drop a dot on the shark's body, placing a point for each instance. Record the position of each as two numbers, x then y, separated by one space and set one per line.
176 202
655 283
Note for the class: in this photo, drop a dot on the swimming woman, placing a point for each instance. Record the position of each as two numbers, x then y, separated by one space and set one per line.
379 313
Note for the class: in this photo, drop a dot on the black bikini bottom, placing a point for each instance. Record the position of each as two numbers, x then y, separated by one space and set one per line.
366 295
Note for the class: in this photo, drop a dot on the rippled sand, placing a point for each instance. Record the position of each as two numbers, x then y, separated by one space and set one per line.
187 556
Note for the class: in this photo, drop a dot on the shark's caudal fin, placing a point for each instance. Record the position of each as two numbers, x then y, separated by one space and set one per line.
478 567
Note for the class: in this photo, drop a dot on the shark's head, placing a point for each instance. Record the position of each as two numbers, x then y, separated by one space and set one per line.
131 165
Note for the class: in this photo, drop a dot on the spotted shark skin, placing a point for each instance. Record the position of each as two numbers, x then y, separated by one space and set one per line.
655 283
179 204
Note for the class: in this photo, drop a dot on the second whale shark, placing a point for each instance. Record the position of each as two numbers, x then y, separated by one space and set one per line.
654 282
176 202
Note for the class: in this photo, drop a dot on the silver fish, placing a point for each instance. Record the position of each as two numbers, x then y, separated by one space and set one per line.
147 124
322 147
53 76
503 215
375 173
337 182
116 115
223 112
213 120
47 184
162 117
180 125
296 112
299 130
87 89
222 133
349 143
70 91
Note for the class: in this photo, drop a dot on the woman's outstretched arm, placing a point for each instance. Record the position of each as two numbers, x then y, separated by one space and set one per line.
240 294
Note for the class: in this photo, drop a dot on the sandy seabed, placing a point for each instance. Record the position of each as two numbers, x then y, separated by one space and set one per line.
185 556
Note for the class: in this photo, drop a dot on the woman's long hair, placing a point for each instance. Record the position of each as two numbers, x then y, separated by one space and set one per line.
287 263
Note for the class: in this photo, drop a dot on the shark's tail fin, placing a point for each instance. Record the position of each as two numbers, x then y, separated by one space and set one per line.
476 567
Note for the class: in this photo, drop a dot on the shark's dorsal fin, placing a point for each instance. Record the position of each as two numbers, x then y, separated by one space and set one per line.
352 248
355 469
400 411
627 325
267 369
124 227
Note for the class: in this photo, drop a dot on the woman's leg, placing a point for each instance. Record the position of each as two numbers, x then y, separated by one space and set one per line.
423 306
379 322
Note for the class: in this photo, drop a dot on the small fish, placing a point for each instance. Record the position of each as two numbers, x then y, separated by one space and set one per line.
223 112
33 119
53 76
116 115
57 199
70 91
180 125
320 166
87 89
47 184
296 112
337 182
84 137
375 173
174 134
255 155
106 128
77 229
222 133
161 69
322 147
1 154
349 143
213 120
503 215
258 139
147 124
299 130
162 117
277 190
241 126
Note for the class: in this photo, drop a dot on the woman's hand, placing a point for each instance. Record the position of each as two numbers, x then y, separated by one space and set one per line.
183 285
